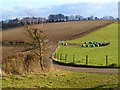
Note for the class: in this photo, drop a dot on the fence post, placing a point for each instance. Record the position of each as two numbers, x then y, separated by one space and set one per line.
73 58
106 60
60 56
10 65
55 55
65 57
86 59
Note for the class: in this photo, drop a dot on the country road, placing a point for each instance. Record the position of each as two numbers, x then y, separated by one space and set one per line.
87 70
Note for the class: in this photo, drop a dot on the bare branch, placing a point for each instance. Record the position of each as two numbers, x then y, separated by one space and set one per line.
37 34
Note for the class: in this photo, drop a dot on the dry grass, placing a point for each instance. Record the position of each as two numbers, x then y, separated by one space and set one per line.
21 63
11 50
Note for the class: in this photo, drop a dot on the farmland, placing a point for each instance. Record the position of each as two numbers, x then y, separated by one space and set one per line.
58 78
96 54
55 31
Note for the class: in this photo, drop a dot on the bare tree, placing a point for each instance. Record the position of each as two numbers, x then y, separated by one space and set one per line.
37 34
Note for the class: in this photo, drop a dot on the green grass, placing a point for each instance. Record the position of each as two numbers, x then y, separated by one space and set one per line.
97 54
61 79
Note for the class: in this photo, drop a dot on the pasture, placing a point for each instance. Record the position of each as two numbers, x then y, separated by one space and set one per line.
96 55
61 79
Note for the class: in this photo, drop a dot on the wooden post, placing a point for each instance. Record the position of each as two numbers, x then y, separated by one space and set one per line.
10 65
73 58
86 59
65 57
60 56
55 55
106 60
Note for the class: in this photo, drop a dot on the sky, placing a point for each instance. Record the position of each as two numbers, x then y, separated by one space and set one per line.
11 9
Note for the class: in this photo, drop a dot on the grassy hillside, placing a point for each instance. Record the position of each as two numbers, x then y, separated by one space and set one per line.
96 54
61 79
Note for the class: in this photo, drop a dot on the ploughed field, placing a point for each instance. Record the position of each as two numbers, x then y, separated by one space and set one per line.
56 31
96 55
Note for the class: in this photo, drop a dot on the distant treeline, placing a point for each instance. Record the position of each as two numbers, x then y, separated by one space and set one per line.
13 23
5 26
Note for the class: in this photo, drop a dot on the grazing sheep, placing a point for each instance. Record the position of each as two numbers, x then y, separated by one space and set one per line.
90 42
65 44
83 45
100 44
97 45
85 42
92 45
94 42
87 45
62 43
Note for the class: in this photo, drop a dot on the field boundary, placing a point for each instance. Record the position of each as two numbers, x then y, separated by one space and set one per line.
55 61
89 31
76 65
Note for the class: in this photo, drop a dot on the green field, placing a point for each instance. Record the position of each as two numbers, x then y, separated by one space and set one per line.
61 79
96 55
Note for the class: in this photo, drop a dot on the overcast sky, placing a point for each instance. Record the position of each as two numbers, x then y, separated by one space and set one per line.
19 8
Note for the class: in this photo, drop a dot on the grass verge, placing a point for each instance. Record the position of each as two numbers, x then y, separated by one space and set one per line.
61 79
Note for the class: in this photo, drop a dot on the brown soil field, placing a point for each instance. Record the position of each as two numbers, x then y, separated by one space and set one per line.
56 31
6 51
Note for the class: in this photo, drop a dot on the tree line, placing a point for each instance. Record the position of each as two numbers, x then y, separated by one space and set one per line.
12 23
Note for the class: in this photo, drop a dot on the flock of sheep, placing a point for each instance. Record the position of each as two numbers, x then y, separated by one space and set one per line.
95 44
88 44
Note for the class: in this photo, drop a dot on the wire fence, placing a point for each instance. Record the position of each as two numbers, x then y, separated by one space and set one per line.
73 59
